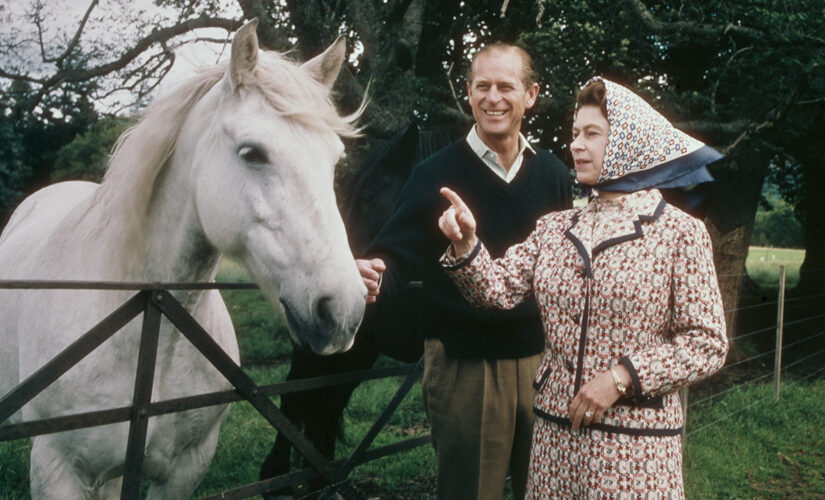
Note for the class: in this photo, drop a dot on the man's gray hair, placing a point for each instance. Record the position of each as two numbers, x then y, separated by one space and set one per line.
528 73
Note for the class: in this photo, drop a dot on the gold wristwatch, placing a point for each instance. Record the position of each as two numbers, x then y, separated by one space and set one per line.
619 385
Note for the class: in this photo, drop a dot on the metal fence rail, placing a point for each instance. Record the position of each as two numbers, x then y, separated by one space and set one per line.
780 327
154 301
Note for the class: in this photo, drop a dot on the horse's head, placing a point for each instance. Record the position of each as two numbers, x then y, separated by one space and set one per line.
264 145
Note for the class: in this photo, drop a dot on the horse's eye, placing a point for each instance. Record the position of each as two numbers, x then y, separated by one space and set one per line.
252 154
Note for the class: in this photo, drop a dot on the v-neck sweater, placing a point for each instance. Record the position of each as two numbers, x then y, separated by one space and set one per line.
410 244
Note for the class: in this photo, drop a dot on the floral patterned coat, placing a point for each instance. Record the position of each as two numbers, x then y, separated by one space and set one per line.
627 281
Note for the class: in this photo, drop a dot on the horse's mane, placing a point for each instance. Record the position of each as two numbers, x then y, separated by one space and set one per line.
143 150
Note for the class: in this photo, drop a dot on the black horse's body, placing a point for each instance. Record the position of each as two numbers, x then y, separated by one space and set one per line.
393 329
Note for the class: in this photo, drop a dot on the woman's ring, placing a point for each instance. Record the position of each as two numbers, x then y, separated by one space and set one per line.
588 415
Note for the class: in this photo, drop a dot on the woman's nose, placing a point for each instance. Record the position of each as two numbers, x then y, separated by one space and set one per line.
576 144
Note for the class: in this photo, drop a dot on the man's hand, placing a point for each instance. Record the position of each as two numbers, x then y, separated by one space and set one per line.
458 224
371 271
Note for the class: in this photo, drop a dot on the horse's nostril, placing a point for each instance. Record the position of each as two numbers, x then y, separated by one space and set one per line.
324 309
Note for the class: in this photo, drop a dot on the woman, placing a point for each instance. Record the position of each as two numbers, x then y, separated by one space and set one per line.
629 300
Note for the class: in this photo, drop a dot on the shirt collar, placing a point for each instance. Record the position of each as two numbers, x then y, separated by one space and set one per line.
481 149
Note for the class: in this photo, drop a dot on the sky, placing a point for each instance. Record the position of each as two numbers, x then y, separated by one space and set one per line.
112 21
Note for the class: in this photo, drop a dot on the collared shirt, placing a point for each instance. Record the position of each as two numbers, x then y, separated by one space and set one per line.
490 157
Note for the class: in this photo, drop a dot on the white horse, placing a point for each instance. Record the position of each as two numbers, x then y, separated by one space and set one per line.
239 161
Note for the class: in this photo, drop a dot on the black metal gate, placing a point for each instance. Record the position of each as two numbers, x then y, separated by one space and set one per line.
154 300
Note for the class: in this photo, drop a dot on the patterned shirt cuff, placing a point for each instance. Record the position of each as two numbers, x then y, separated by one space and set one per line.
451 263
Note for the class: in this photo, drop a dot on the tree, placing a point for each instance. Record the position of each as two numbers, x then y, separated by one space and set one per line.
737 76
745 76
34 138
13 172
87 156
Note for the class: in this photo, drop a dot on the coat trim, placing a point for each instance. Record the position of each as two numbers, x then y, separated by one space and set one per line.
578 244
637 224
466 260
540 382
633 431
638 397
589 276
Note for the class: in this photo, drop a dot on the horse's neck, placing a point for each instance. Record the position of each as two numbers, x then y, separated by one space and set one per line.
175 246
163 244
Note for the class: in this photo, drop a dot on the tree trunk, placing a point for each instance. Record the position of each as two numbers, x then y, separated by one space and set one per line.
730 213
812 272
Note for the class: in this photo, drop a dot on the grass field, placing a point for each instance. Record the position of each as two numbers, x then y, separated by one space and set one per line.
755 448
763 265
767 450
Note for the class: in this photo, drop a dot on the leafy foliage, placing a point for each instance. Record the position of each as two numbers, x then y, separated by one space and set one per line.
87 156
13 171
776 224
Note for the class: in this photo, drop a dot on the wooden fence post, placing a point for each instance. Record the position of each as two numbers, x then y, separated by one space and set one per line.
683 395
780 319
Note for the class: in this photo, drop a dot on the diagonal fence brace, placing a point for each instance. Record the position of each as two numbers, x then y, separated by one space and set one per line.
356 455
196 334
72 355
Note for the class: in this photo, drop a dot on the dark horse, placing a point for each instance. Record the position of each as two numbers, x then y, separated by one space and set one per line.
393 329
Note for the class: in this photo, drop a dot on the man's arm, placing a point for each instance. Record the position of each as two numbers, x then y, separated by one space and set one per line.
396 254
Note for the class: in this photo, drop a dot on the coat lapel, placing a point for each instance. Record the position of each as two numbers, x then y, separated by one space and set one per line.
627 223
579 234
617 226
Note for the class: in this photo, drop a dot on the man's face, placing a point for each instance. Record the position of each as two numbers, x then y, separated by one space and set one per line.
497 94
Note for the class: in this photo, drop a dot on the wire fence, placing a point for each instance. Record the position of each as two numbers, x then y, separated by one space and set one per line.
804 349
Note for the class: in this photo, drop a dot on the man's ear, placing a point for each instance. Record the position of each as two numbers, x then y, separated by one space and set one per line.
532 94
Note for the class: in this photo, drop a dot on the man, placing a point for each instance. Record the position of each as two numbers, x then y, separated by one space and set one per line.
479 364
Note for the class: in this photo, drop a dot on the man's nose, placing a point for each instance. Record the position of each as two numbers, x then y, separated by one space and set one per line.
494 95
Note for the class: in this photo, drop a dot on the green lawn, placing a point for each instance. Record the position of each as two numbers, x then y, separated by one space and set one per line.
770 450
763 265
767 450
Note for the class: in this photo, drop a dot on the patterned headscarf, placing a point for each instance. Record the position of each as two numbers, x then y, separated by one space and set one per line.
645 151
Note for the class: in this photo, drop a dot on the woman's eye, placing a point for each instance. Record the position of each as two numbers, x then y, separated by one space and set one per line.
252 154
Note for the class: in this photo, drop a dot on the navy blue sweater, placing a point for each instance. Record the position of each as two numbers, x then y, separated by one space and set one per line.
410 244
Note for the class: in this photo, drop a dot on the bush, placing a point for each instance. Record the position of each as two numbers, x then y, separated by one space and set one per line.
777 227
87 156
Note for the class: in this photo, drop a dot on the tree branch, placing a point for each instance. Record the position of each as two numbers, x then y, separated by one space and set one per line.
38 7
159 36
691 28
703 127
719 78
772 118
76 38
156 36
455 95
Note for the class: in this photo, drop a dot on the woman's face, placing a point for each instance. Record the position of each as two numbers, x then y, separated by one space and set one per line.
589 143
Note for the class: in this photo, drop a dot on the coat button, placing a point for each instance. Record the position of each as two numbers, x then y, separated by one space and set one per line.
570 366
581 272
576 318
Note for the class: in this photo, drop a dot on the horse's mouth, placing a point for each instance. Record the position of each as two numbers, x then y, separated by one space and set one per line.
312 336
296 326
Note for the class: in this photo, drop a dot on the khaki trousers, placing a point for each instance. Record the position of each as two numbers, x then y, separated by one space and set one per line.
481 413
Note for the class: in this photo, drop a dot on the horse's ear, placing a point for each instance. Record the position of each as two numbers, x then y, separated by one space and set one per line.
325 66
244 54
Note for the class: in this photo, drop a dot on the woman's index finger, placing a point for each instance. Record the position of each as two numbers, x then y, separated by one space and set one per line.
453 198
